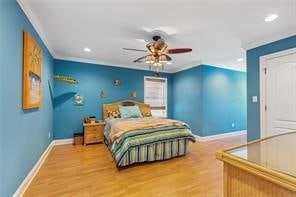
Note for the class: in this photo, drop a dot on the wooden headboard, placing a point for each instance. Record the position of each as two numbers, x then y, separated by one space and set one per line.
145 108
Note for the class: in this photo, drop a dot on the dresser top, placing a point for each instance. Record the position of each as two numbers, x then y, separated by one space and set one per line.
93 124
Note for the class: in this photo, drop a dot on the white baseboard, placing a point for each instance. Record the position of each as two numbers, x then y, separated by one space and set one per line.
63 141
27 181
219 136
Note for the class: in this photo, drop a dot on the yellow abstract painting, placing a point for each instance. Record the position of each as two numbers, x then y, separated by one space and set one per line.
32 73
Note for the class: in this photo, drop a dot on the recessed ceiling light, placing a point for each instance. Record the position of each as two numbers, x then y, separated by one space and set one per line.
240 59
87 49
271 17
169 63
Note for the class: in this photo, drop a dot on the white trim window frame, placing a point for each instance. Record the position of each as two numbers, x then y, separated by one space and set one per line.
157 111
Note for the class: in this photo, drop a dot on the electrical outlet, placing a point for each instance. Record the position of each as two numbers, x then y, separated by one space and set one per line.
232 125
49 135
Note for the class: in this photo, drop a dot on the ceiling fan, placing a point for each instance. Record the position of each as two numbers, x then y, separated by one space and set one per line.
158 53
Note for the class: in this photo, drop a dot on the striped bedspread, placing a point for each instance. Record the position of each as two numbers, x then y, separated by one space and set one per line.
148 145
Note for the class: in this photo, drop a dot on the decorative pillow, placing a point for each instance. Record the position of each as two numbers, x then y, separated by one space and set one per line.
130 112
113 114
147 114
146 111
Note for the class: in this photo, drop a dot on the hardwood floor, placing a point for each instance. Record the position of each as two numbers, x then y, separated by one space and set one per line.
90 171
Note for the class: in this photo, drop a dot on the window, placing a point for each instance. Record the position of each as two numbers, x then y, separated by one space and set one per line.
155 94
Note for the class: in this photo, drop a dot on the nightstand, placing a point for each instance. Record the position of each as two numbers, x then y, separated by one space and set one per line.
93 133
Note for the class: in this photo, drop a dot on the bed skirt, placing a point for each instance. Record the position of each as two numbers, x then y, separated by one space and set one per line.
155 152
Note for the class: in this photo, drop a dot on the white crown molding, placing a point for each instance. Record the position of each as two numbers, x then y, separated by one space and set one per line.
202 63
105 63
28 12
29 178
219 136
171 71
228 68
268 40
187 66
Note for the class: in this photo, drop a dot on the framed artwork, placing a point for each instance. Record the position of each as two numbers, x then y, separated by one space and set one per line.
78 99
32 73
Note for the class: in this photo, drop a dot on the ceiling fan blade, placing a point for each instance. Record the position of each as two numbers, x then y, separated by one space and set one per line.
179 50
129 49
139 59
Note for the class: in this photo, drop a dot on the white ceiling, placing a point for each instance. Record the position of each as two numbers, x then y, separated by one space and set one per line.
216 30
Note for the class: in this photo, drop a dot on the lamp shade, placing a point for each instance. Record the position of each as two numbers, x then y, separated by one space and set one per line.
162 58
157 64
150 59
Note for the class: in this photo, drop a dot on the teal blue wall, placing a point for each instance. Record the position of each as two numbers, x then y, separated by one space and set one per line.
92 80
224 101
187 92
1 101
24 134
210 99
253 83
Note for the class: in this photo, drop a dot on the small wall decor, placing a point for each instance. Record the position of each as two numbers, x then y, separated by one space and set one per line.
117 82
78 99
103 94
134 94
65 79
32 73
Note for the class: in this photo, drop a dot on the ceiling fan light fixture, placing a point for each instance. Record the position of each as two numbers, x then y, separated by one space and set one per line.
157 64
164 49
163 59
158 51
151 47
150 59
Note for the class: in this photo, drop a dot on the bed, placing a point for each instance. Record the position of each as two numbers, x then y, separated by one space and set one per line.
143 139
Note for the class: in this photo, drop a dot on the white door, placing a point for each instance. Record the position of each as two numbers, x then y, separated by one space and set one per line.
280 94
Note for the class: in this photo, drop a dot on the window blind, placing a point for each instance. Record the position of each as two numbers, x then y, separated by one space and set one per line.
155 95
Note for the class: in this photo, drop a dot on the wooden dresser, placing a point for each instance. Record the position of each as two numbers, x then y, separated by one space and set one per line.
93 133
264 168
